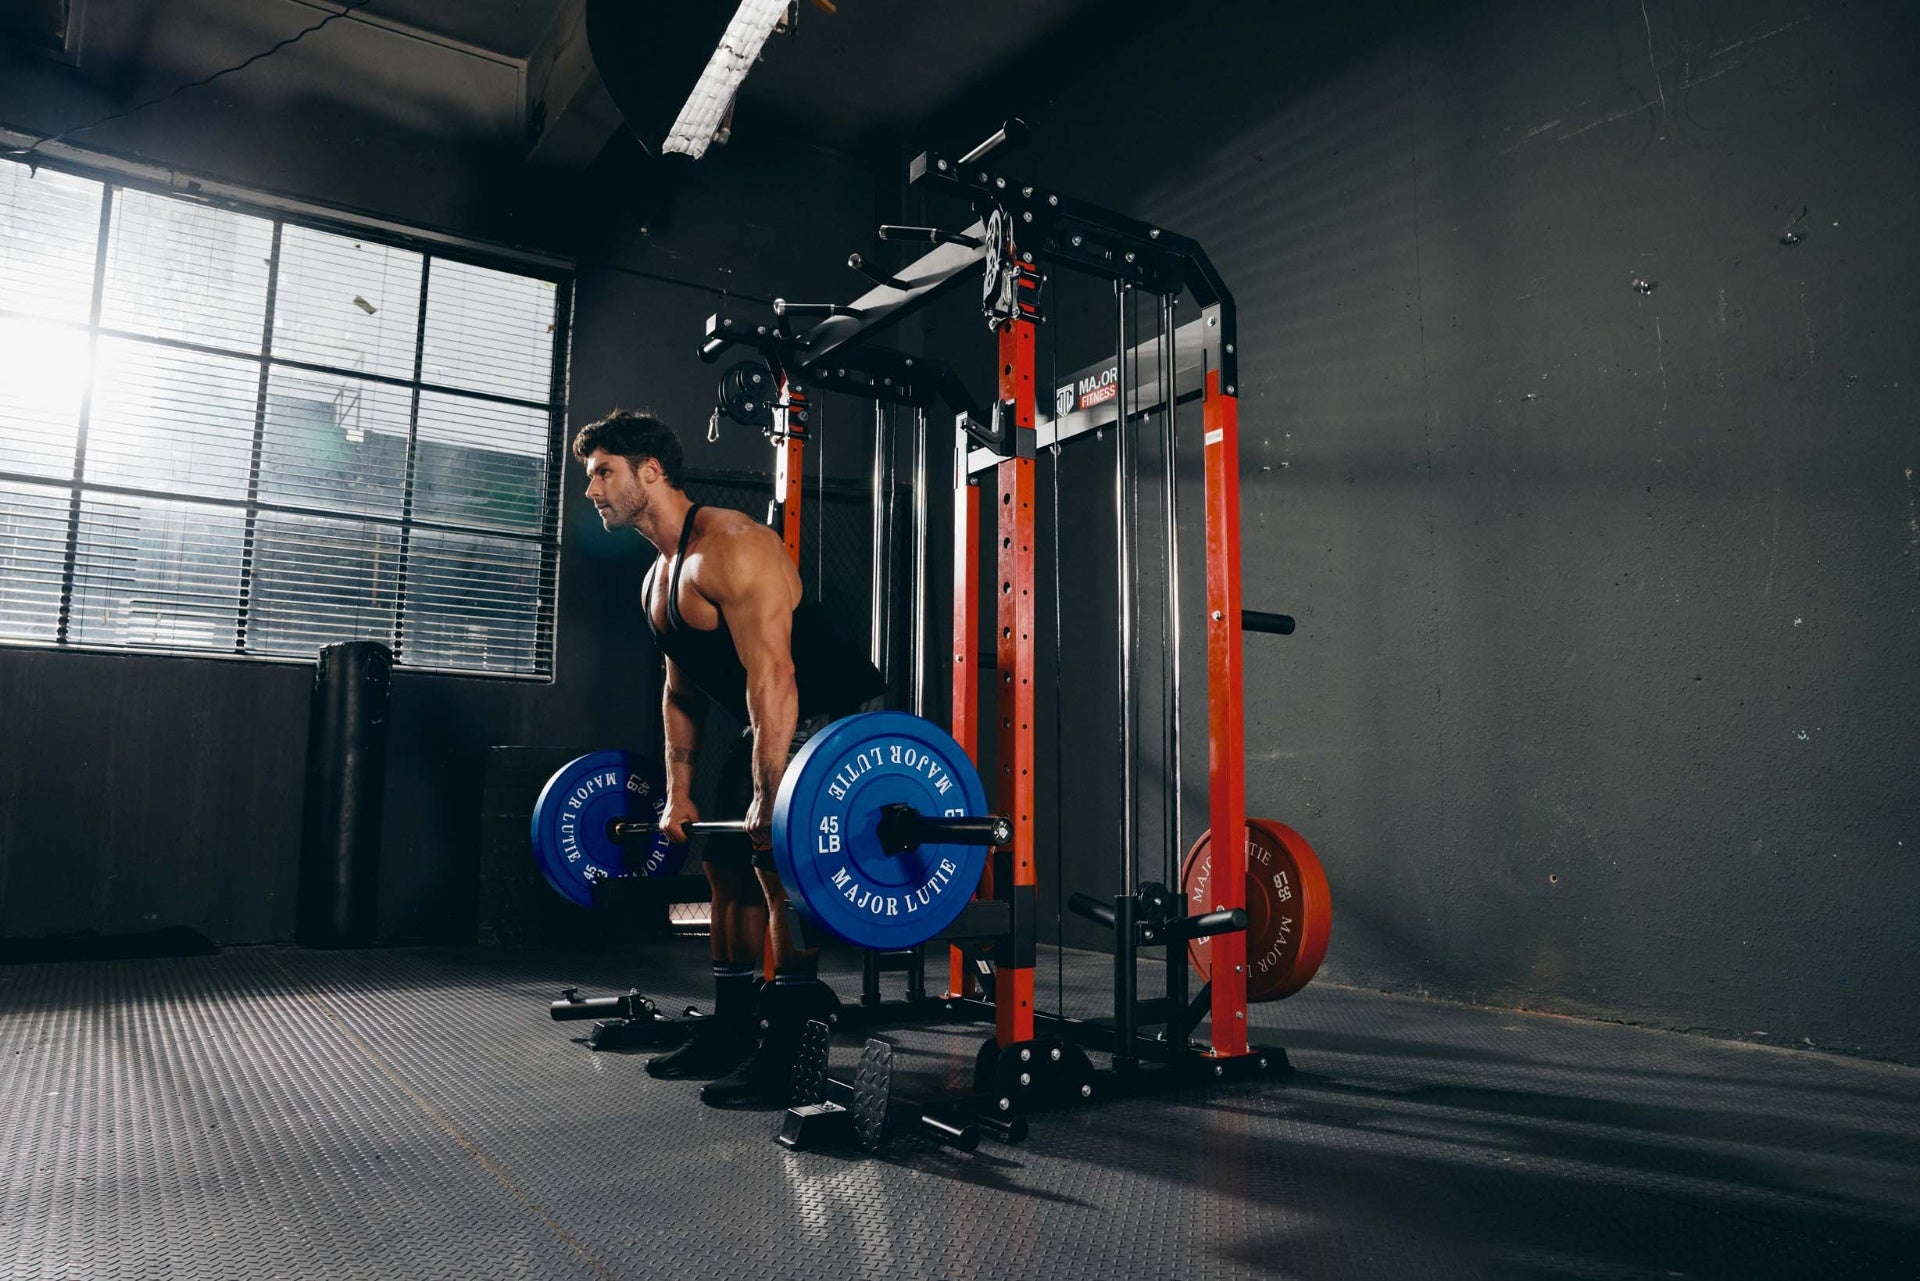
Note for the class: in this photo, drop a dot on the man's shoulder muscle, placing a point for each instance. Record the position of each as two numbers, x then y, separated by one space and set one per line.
736 553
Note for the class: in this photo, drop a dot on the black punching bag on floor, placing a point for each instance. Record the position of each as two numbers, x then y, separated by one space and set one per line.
346 792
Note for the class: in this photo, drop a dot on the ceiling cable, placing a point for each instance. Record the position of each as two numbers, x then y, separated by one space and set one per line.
27 153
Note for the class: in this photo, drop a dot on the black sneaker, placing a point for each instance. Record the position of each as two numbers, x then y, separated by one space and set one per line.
762 1081
712 1050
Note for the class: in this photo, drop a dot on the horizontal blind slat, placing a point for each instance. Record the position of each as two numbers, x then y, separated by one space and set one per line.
49 230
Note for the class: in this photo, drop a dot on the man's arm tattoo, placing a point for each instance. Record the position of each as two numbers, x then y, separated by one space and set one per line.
682 755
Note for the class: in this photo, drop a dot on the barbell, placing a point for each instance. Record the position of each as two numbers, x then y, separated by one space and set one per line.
880 828
880 833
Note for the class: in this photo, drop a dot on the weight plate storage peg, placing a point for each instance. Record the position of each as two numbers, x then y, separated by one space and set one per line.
570 839
826 823
1289 908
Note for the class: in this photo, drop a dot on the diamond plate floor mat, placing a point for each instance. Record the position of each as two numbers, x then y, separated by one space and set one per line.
414 1113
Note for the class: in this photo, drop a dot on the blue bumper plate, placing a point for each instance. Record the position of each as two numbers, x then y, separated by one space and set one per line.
827 816
570 840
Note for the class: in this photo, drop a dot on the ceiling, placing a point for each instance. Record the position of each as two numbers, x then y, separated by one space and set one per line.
473 72
511 28
874 68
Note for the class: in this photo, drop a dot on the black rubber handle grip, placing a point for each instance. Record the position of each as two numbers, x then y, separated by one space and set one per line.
782 308
1258 620
1208 924
932 235
1091 908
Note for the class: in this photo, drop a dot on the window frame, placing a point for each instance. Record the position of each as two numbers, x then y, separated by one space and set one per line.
283 212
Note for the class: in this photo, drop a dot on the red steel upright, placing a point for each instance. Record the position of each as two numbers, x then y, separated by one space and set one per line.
789 442
1014 660
1226 739
789 447
966 666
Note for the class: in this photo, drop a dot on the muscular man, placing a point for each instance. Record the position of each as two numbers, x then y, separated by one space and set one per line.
724 605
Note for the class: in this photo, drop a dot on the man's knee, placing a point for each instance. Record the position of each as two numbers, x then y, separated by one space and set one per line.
769 886
734 884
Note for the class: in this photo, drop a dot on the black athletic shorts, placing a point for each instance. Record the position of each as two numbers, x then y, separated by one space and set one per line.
736 787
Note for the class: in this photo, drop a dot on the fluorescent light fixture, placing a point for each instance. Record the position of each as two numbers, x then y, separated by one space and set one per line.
699 120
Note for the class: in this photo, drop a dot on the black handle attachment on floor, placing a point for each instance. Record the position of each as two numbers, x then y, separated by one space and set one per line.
572 1005
625 1022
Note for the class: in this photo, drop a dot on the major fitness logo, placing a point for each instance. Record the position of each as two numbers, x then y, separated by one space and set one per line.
1087 391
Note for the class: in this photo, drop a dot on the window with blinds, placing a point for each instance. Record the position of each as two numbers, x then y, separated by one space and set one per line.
225 432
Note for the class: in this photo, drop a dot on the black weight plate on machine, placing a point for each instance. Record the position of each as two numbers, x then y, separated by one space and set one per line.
747 392
570 841
826 822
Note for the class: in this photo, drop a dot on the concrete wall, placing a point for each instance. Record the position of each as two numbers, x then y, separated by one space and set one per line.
1604 697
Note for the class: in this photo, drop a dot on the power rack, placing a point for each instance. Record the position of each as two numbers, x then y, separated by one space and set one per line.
1034 1058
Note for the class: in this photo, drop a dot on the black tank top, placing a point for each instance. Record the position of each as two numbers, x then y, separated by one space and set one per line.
833 677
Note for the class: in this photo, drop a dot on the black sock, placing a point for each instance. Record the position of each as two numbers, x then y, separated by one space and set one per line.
733 991
795 975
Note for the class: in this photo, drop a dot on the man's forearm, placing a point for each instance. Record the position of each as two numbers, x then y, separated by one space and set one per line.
683 744
773 708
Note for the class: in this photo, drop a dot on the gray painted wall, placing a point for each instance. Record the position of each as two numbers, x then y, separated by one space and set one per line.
1604 698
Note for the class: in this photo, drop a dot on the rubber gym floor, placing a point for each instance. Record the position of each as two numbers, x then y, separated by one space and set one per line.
273 1112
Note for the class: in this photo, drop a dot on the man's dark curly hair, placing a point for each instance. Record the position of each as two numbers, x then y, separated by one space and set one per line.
634 435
